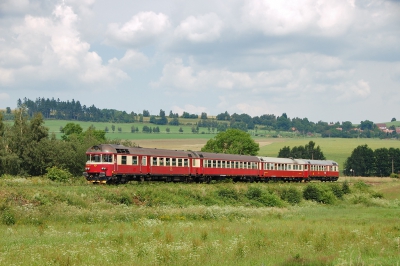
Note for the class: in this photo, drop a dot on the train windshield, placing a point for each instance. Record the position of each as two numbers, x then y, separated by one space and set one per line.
99 158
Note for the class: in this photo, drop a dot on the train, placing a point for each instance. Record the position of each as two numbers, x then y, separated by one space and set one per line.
118 164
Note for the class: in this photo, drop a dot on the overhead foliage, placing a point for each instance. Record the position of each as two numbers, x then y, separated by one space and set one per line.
232 141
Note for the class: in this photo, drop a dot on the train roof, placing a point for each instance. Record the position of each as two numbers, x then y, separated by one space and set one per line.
228 157
115 148
281 160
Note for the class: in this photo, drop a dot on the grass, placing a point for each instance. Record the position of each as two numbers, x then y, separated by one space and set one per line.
48 223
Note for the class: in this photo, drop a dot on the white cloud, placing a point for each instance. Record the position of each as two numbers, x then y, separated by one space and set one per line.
50 48
353 92
142 29
4 96
295 16
191 109
205 28
132 59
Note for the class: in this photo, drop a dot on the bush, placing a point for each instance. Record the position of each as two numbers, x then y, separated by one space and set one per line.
346 188
228 193
312 192
57 174
291 195
253 193
337 191
393 175
322 194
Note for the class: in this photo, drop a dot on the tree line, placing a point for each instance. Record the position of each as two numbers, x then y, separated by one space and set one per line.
27 148
73 110
381 162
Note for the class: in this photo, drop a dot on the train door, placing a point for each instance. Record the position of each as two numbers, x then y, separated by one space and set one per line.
115 163
144 168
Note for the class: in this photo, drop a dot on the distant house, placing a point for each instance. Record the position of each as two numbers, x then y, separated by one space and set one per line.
398 130
381 126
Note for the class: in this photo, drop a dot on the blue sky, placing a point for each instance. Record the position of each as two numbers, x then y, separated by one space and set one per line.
324 60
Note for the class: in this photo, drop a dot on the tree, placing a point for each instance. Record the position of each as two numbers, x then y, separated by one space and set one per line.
232 141
203 115
393 120
307 151
72 128
361 162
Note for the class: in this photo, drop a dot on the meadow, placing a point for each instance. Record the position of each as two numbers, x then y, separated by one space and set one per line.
47 223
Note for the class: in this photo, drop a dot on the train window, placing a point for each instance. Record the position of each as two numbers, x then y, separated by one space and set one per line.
223 164
154 161
161 161
144 161
107 158
173 162
180 162
123 159
134 160
219 164
186 162
210 163
289 167
214 163
167 162
96 158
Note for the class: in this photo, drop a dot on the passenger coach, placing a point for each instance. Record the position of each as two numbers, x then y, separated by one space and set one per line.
110 163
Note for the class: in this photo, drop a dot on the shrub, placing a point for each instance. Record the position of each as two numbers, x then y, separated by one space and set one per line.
8 218
57 174
318 193
291 195
337 191
227 193
312 192
253 193
346 188
393 175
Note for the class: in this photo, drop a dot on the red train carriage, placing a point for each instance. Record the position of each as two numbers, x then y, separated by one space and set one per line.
109 163
322 170
282 169
218 166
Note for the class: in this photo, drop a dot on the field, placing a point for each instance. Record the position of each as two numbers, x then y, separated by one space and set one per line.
46 223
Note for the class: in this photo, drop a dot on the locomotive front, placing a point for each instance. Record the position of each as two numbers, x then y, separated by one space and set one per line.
100 163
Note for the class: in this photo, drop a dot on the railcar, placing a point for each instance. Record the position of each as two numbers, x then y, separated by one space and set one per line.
283 169
111 163
322 170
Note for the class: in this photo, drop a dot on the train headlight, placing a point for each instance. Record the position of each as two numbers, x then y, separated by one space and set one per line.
87 168
103 168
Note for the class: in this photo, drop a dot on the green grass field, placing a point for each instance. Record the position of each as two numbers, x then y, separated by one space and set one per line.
46 223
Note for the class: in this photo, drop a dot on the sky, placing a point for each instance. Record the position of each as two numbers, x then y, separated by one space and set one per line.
330 61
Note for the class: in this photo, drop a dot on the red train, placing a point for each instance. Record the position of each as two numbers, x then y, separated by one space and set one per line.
113 164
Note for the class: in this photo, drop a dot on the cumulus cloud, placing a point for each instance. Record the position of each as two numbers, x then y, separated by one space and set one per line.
191 109
205 28
50 47
4 96
294 16
355 92
142 29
